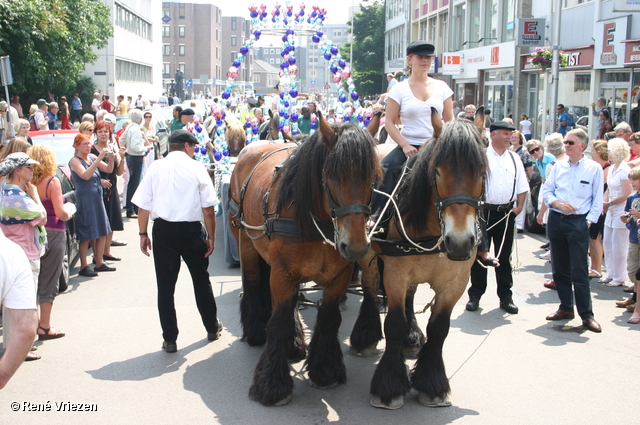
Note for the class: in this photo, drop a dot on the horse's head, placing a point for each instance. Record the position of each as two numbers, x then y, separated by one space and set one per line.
270 130
235 135
457 169
350 170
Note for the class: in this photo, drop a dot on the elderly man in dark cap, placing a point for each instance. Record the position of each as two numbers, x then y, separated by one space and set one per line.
187 116
505 183
178 180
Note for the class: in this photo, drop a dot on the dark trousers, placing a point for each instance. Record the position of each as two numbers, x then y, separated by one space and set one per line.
134 164
569 239
392 167
186 240
494 235
76 115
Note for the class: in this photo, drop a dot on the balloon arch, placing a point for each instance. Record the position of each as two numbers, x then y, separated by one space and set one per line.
285 22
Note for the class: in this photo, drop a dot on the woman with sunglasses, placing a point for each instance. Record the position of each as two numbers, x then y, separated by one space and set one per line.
150 138
541 158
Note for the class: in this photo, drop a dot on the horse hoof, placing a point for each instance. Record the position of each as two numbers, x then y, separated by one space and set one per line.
366 352
320 387
284 401
425 400
396 403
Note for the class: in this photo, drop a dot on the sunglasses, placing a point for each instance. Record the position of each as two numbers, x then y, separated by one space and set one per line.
30 167
534 150
3 110
147 116
569 142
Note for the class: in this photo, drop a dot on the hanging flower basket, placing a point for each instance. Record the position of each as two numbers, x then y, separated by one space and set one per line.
543 56
399 75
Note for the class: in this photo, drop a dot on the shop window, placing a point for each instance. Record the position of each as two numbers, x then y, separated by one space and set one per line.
582 82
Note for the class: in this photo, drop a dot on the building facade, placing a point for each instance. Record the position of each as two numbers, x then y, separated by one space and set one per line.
192 45
478 57
131 63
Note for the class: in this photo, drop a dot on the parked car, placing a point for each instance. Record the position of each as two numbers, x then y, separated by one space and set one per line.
161 126
583 123
61 142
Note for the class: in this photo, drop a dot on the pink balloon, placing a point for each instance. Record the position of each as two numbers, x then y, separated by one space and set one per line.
315 6
232 72
346 73
263 6
313 117
286 128
254 122
253 8
281 73
289 6
336 78
302 6
293 70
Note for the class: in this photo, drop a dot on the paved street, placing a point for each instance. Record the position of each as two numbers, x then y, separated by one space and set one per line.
503 368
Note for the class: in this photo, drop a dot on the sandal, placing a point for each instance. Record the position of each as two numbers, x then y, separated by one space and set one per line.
629 289
489 262
634 320
613 283
625 303
32 356
86 271
48 335
104 268
605 280
593 274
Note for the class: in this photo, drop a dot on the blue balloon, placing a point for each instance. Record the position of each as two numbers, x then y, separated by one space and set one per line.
284 65
366 122
293 93
314 14
277 12
286 116
226 95
313 126
342 98
319 34
292 60
354 96
203 150
273 19
237 64
286 22
217 156
294 117
320 16
281 112
360 118
281 95
257 33
264 14
285 38
290 31
327 56
301 12
280 126
255 130
198 129
292 48
284 52
334 50
218 123
315 39
333 69
254 14
247 124
289 13
341 64
286 104
225 152
244 50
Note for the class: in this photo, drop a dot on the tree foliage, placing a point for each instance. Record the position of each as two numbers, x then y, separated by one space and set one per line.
368 48
50 41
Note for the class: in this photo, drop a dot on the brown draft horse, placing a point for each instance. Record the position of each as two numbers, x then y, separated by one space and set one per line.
328 178
439 200
235 135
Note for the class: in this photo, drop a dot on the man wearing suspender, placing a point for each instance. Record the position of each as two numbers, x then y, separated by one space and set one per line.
506 183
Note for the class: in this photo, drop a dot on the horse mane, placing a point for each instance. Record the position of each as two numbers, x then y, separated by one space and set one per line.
234 131
460 148
300 182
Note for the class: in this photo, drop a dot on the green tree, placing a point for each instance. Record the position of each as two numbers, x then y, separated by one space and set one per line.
368 48
50 41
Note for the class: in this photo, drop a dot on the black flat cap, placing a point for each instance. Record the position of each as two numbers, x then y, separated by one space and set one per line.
421 47
182 136
187 111
501 125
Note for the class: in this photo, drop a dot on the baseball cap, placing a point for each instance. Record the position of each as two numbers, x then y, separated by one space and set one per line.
109 119
13 161
42 102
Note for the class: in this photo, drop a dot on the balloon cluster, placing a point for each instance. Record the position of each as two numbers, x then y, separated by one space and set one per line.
195 128
253 129
220 146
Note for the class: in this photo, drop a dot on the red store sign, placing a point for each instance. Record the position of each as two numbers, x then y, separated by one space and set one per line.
631 52
577 58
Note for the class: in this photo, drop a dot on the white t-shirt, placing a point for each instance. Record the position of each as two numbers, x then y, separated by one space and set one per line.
16 279
176 189
416 114
526 126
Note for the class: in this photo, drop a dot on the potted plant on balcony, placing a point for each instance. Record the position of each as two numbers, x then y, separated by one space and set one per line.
543 56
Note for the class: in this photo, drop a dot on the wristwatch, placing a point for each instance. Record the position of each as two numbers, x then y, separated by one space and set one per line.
610 204
588 223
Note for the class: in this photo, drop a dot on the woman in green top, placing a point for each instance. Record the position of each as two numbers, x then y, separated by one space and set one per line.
176 123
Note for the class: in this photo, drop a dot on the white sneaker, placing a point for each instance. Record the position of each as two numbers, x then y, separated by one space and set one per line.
545 256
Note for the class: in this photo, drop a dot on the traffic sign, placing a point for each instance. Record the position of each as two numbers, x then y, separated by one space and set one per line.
188 83
327 86
313 88
313 82
166 19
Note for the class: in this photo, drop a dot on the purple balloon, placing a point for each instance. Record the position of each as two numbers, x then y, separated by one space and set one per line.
294 117
244 50
366 122
333 69
257 34
286 105
334 50
284 65
321 16
327 55
282 95
313 126
285 38
341 63
314 14
301 12
290 31
319 34
225 152
237 64
294 132
360 118
218 123
203 150
354 96
217 156
315 39
226 95
280 126
198 129
293 93
286 116
342 98
289 13
277 12
255 130
281 112
292 60
247 124
254 14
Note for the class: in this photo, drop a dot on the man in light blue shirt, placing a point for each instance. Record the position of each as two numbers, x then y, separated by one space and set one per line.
573 194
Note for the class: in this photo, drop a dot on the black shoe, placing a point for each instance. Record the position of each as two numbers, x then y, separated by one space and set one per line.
212 336
545 246
509 306
473 304
169 347
87 272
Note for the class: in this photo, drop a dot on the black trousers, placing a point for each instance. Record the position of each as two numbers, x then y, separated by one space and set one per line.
494 235
134 164
569 240
186 240
392 166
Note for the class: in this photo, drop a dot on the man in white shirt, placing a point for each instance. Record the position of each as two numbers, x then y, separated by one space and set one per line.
40 117
95 103
178 195
19 299
573 192
506 183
